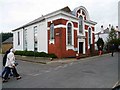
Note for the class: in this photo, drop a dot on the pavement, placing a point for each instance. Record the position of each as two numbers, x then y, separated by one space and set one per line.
44 60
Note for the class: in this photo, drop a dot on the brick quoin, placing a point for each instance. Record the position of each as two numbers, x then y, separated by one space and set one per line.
86 27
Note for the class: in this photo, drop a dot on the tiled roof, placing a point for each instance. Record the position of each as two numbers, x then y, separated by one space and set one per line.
9 40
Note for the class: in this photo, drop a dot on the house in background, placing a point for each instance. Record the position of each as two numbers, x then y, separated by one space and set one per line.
62 32
7 44
104 33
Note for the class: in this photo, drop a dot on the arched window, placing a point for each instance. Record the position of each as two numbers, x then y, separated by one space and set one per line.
51 31
69 33
89 36
80 24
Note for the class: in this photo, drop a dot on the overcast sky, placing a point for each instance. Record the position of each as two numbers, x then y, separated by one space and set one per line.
15 13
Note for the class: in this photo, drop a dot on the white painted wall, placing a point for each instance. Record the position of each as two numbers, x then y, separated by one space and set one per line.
30 38
15 40
42 37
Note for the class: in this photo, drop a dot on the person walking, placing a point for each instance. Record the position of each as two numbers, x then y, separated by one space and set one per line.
100 50
112 50
10 65
4 62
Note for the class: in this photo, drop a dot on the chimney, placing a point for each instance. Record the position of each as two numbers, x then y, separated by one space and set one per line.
117 28
102 29
110 27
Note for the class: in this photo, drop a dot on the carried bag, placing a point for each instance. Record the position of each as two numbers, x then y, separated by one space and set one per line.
16 63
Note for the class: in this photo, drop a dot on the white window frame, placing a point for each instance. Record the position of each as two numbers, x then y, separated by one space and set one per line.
52 31
67 45
89 36
25 38
82 23
35 37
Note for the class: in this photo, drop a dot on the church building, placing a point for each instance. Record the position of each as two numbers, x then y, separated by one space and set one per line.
62 32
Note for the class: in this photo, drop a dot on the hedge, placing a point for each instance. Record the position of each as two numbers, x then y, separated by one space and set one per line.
36 54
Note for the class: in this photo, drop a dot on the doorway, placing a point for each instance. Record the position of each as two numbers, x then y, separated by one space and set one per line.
81 47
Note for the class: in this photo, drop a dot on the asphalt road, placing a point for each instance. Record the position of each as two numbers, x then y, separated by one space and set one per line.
95 72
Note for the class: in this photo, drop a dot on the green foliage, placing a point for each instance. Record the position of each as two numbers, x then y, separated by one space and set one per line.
5 36
100 42
112 34
52 56
112 39
36 54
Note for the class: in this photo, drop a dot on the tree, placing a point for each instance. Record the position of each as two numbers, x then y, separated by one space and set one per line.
5 36
100 42
112 39
112 35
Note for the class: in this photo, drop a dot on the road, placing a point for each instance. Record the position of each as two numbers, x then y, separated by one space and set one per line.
94 72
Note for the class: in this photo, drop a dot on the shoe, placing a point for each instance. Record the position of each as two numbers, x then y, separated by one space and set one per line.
8 78
19 77
4 81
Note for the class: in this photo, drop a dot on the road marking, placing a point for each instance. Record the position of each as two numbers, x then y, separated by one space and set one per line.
71 64
47 71
36 74
117 83
57 67
65 66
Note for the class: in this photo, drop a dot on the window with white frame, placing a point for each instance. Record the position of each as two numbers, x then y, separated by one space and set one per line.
69 34
52 31
89 36
25 38
80 24
18 38
35 39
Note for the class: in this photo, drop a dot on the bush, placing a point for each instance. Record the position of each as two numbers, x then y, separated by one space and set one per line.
36 54
52 55
19 53
28 53
43 54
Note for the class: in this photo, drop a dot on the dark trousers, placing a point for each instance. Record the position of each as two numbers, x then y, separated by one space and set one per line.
112 53
8 71
15 73
4 71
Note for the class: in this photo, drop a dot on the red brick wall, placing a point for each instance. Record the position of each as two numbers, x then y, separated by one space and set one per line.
59 46
86 27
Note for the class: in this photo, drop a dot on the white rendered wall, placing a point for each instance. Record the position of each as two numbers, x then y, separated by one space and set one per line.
42 37
15 40
30 38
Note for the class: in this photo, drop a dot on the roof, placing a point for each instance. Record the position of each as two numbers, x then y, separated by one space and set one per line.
42 18
9 40
32 22
66 9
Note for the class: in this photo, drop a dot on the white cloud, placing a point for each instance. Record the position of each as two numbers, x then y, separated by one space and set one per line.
15 13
